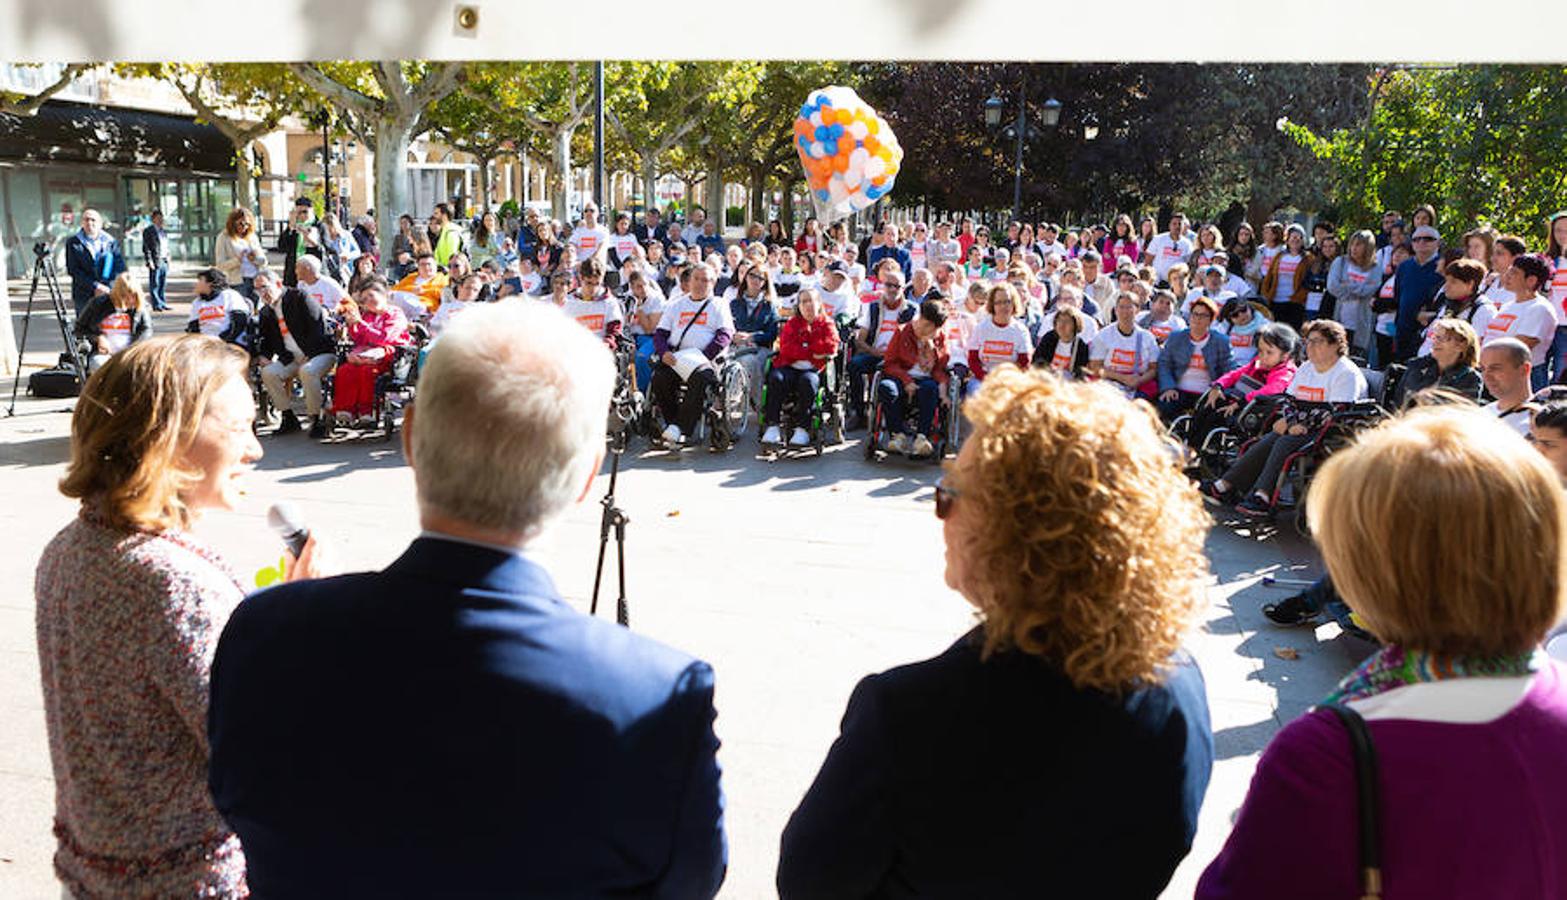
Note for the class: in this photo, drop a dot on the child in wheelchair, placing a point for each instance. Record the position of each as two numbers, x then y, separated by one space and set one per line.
914 371
807 342
593 306
1268 373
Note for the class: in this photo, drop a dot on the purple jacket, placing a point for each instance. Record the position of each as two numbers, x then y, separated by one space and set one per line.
1468 809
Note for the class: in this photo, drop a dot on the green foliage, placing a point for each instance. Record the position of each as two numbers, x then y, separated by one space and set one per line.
734 216
1482 144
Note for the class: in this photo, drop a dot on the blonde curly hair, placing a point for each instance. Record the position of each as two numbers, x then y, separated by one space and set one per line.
1091 551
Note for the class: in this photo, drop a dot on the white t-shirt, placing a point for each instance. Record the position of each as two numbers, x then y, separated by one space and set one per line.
835 302
530 282
589 241
116 330
1533 317
1124 354
1167 253
1243 339
1483 314
623 244
1161 331
1342 383
443 316
703 327
919 255
886 326
596 315
1517 419
945 251
997 344
1289 264
213 312
1197 379
325 291
1219 299
651 305
959 328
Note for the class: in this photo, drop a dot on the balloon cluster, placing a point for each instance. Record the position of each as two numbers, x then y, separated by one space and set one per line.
849 152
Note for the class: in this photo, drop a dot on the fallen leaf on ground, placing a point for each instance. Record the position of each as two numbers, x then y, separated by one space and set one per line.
1286 653
672 513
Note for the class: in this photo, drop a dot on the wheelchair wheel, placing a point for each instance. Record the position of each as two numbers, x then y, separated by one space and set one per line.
735 402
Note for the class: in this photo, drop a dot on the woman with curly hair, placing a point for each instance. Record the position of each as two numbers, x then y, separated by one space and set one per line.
1062 747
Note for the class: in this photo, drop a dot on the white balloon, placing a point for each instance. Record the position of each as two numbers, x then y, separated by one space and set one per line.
859 130
854 176
837 189
875 167
816 119
817 150
858 158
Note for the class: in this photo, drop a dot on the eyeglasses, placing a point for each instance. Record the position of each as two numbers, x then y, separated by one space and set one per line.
944 497
1423 240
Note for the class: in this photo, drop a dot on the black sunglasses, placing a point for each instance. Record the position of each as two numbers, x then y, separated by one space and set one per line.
944 497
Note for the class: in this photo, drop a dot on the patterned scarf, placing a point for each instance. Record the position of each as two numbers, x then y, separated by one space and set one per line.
1394 667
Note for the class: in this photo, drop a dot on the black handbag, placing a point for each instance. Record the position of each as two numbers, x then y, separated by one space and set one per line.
1369 801
56 383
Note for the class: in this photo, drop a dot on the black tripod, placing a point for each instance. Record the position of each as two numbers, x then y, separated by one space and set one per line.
614 518
43 274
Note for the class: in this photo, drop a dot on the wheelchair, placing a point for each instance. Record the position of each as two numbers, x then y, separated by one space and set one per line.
726 411
1220 448
628 407
394 387
823 421
941 427
1346 421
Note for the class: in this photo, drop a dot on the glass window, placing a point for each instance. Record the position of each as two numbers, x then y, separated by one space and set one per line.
141 197
22 205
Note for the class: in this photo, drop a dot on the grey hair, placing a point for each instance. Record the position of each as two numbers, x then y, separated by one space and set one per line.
311 262
1516 352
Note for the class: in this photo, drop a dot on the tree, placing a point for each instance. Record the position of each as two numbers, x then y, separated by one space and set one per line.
387 102
1480 143
468 123
659 103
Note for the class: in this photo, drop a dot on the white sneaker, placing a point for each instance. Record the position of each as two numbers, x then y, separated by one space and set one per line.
922 446
800 438
344 419
673 436
772 435
898 443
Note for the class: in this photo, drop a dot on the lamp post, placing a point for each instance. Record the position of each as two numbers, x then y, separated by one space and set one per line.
324 119
1050 116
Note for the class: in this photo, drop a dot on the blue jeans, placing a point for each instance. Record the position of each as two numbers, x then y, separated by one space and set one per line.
157 280
860 365
927 395
1558 357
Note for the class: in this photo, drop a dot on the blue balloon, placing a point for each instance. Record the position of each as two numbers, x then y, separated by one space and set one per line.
804 144
823 196
823 132
837 131
806 110
831 147
874 192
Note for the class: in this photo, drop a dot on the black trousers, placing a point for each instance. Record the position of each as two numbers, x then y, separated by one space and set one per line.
782 383
684 411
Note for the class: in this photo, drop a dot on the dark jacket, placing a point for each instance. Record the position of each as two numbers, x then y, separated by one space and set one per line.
306 322
961 777
1045 353
368 245
763 325
450 726
1424 373
86 272
903 354
1176 355
154 246
288 241
88 324
877 254
1415 286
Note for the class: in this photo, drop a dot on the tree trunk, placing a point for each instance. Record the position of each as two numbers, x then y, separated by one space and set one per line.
715 196
758 196
392 137
244 182
786 208
649 183
1258 211
484 184
560 184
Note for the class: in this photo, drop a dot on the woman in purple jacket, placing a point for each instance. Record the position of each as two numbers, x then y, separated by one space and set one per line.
1467 717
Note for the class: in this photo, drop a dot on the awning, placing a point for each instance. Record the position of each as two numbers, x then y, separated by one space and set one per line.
63 131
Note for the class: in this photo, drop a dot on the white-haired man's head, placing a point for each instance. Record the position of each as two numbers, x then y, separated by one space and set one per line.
509 426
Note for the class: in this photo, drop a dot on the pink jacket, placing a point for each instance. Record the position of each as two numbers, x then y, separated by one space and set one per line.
387 328
1278 378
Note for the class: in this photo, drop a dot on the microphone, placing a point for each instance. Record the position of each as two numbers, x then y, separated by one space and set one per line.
285 519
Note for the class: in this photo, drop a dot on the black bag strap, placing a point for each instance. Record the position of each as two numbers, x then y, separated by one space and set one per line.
1369 805
694 316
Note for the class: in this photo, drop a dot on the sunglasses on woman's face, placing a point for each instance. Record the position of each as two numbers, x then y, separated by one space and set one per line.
944 497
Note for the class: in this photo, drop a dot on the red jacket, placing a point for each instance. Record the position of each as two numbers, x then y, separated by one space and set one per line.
903 354
802 341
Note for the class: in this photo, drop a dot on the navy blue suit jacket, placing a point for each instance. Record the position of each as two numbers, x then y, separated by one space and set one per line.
449 728
85 272
957 778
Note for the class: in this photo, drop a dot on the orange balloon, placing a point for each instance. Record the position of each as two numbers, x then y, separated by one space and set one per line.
871 144
840 163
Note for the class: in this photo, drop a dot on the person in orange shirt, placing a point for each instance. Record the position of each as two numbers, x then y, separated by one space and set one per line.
425 282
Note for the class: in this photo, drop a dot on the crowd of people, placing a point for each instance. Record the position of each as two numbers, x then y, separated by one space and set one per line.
1079 352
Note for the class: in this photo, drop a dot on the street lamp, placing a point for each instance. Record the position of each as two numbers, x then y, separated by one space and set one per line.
324 118
1050 116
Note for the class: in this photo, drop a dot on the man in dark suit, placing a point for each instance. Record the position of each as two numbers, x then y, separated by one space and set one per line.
300 236
449 727
92 259
155 253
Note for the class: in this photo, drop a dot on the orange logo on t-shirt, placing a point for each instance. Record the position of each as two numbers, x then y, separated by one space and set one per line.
1197 361
1061 361
594 324
1311 394
1002 350
1123 360
686 318
1240 340
116 322
212 314
1502 323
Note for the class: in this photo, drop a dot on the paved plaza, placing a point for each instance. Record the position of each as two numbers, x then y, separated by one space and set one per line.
830 569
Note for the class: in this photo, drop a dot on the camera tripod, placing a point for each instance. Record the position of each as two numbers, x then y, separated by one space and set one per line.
44 275
614 518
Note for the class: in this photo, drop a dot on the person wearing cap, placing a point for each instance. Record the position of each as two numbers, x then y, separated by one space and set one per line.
1417 281
1211 280
300 236
837 299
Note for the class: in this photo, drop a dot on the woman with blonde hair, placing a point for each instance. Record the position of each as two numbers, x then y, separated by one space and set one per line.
113 321
1466 718
239 254
1062 747
1354 280
1210 243
130 604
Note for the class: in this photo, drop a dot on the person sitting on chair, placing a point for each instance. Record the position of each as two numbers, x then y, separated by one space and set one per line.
915 369
420 288
1191 359
593 306
879 321
294 342
697 322
1268 373
113 321
754 310
219 310
376 329
998 337
1450 366
806 343
1063 349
